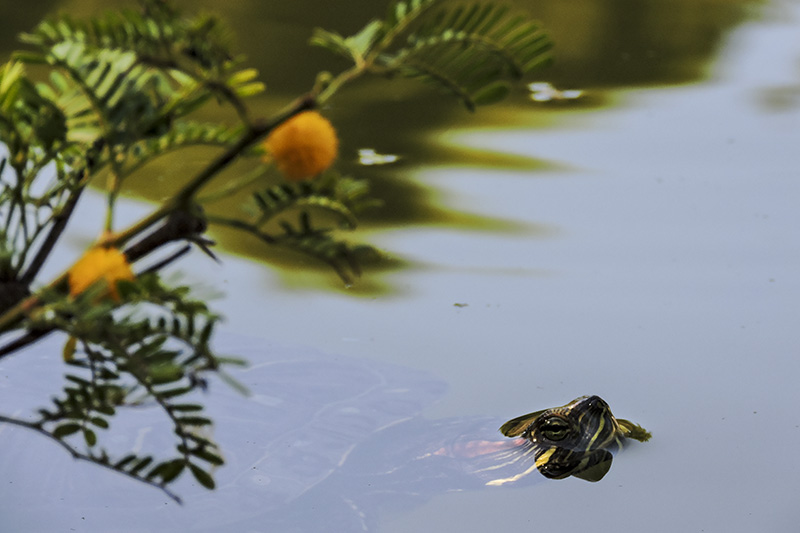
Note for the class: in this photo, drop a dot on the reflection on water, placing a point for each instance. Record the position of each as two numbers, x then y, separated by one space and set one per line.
341 436
610 43
544 92
619 43
676 286
676 280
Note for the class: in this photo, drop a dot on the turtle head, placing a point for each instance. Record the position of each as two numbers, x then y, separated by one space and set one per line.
584 424
575 439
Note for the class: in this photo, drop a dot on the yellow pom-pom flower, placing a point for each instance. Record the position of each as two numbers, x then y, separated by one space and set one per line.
99 263
303 146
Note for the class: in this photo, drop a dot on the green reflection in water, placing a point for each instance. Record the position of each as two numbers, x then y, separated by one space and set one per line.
616 43
599 44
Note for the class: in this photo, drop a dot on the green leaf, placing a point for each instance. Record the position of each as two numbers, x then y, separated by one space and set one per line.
235 361
194 421
166 373
202 441
30 58
186 408
243 85
202 476
251 89
337 253
90 437
243 77
207 456
124 461
205 334
403 13
331 41
492 93
172 393
99 422
361 43
66 429
466 50
280 198
10 76
233 383
168 471
140 465
79 380
105 409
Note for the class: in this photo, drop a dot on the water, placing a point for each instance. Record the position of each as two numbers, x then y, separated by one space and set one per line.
641 245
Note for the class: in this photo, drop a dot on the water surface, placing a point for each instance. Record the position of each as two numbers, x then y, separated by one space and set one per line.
650 255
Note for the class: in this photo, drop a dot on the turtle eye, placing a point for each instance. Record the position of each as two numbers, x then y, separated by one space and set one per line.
555 428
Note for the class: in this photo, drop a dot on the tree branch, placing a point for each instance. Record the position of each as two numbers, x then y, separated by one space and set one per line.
52 238
88 458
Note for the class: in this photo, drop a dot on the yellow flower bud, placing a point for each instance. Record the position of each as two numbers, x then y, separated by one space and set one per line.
99 263
303 146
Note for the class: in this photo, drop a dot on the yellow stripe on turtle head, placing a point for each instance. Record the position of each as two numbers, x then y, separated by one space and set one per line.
542 459
596 434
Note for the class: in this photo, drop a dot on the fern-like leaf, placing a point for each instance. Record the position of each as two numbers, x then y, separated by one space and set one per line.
182 134
141 356
469 49
320 244
129 75
156 34
280 198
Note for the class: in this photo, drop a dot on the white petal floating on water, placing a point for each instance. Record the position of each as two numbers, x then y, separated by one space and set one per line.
369 157
545 92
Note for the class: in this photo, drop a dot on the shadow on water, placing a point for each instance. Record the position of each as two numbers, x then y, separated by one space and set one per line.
338 435
600 45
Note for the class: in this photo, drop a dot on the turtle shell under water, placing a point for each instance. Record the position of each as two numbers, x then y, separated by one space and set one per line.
338 435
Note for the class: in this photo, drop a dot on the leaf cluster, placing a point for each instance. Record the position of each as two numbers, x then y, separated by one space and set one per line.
122 90
343 257
294 215
125 88
469 49
154 350
132 74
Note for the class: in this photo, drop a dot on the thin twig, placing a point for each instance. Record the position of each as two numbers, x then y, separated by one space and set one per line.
52 238
24 340
88 458
182 199
244 226
164 262
252 135
179 225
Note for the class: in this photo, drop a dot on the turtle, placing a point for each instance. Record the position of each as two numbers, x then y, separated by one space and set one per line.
576 439
340 435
